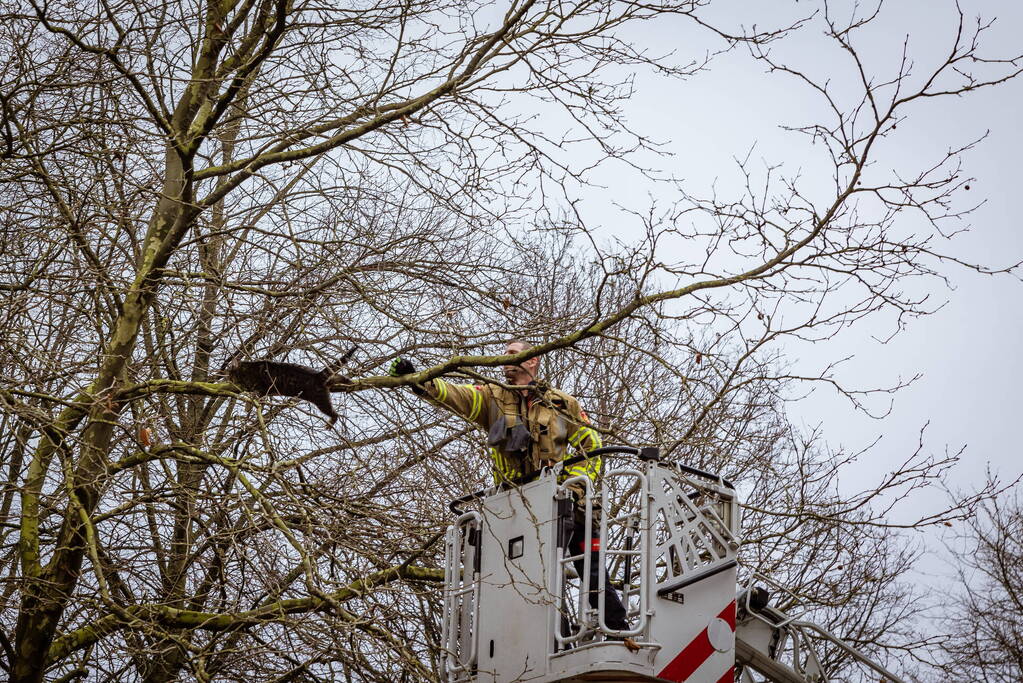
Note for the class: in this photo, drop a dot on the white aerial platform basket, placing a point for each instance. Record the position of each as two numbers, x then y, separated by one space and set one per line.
516 610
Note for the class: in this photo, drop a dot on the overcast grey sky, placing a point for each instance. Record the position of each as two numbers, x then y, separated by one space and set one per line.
967 351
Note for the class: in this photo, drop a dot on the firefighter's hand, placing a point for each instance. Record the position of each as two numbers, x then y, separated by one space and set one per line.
400 366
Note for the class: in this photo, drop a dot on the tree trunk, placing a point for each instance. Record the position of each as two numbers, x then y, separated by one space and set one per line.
46 595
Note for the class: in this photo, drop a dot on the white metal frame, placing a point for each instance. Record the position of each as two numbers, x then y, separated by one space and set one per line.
699 542
461 600
560 579
794 648
642 516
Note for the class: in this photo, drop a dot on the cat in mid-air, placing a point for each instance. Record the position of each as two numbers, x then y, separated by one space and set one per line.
275 378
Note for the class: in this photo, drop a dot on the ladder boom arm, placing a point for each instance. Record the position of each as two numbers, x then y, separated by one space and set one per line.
778 646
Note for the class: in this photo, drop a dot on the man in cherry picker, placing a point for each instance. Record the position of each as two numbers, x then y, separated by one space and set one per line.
529 428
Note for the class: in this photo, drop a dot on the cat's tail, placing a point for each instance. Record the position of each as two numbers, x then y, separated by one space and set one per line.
332 373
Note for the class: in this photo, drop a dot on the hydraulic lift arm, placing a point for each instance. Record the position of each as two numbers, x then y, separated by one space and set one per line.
779 647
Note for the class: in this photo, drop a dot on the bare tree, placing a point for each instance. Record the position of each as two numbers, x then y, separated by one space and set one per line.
188 185
986 626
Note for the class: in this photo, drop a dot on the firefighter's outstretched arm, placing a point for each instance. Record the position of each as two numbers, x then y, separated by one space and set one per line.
465 400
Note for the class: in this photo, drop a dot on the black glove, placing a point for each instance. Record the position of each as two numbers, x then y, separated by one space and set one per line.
399 367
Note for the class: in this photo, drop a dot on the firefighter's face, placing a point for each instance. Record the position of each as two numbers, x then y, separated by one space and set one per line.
520 374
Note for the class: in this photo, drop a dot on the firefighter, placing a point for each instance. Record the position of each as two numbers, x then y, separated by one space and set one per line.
528 429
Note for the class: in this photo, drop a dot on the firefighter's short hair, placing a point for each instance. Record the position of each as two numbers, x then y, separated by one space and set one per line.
526 345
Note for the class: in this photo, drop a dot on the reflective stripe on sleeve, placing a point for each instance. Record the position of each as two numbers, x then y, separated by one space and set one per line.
583 432
477 403
591 466
588 468
442 389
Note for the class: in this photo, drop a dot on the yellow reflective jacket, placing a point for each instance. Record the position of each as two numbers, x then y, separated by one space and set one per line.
553 419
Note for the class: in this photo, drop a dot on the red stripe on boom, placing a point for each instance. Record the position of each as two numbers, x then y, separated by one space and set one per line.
697 652
728 614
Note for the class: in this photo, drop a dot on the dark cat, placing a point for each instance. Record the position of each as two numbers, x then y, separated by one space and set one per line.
274 378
